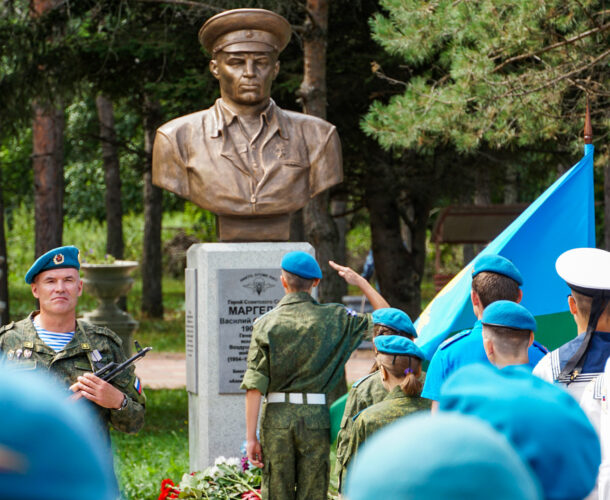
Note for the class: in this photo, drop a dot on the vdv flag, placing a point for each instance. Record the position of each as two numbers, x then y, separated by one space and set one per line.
560 219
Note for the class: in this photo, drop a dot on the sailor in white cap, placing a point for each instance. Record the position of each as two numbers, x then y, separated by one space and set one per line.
582 359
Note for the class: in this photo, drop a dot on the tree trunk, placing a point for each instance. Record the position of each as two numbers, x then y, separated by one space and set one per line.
112 177
399 268
4 309
152 296
320 227
47 161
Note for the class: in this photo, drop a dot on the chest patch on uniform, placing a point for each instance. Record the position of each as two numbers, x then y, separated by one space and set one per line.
85 347
28 345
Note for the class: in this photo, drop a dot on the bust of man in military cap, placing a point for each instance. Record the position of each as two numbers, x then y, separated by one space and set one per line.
244 158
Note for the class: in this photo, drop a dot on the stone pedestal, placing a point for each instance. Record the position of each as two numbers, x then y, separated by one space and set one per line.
228 285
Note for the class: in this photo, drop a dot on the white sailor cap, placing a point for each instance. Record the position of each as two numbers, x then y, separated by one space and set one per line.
585 270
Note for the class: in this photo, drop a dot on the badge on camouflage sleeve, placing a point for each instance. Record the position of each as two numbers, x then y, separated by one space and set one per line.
96 356
27 354
18 353
138 385
10 355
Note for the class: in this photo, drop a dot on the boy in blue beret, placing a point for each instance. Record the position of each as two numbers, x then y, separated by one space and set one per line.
297 354
508 332
53 341
545 425
446 456
493 278
370 389
399 361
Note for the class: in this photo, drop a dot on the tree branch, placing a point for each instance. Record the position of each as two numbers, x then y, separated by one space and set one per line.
187 3
559 78
551 47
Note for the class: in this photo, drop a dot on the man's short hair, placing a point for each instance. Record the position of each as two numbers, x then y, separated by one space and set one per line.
296 283
584 302
507 341
491 287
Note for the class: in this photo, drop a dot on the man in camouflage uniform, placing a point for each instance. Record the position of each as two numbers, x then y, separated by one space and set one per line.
397 403
296 357
56 283
369 389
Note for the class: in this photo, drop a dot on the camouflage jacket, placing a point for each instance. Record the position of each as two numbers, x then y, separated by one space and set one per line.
302 346
396 404
24 350
365 392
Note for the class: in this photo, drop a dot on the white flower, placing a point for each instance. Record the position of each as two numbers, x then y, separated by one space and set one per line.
233 461
220 460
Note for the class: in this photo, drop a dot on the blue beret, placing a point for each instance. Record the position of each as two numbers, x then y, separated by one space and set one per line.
439 457
394 319
57 258
302 264
51 447
543 422
497 264
396 344
509 314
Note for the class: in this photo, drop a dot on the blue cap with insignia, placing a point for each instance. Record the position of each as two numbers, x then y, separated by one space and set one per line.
497 264
302 264
395 319
441 456
58 258
508 314
543 422
49 448
585 272
397 345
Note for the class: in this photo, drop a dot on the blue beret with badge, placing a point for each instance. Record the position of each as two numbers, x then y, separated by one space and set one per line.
508 314
302 264
497 264
397 345
443 456
395 319
544 423
58 258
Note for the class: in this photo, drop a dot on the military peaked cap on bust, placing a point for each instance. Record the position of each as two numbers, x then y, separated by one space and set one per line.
442 456
508 314
58 258
302 264
397 345
395 319
245 30
499 265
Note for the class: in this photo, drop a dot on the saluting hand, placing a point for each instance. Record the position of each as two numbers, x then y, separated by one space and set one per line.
347 273
97 390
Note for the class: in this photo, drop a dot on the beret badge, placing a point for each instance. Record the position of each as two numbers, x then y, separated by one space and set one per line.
58 259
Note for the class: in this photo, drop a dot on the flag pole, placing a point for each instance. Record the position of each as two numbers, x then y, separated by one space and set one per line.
588 132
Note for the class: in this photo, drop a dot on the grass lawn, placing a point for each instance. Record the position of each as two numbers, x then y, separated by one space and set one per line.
158 451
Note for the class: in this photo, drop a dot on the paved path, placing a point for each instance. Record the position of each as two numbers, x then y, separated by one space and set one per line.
167 370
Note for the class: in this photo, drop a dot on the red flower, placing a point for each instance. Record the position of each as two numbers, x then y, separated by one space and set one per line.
251 495
168 490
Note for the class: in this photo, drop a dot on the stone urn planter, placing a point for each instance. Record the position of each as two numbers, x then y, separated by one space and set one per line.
108 282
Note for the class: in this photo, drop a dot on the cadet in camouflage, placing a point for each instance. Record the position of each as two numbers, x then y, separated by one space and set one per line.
400 366
296 357
370 390
73 348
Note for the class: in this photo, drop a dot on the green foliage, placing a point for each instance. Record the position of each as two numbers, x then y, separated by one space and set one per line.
486 73
158 451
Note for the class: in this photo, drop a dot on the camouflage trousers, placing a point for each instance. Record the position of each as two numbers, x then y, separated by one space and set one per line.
296 449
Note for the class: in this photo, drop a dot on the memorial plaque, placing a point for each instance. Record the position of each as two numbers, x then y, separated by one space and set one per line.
243 296
190 329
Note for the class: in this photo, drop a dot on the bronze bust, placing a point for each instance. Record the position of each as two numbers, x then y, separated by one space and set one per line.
244 158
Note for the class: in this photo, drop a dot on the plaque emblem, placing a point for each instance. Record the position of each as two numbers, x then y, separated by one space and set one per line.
258 285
